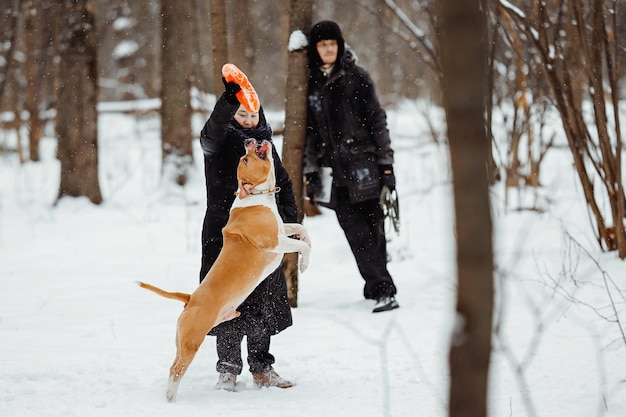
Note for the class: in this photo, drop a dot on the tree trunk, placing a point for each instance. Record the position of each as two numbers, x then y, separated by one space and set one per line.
590 152
295 122
77 118
202 55
9 20
464 86
219 43
242 38
176 73
492 167
35 48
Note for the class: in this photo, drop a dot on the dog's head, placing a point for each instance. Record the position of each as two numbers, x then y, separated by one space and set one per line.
255 172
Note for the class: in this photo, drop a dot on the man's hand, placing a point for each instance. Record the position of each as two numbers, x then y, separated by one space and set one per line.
313 185
387 176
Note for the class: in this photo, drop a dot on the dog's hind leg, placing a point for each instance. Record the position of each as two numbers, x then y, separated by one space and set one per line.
173 382
185 354
189 337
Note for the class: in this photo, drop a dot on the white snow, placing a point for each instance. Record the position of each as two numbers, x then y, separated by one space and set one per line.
79 338
297 41
123 23
512 8
125 49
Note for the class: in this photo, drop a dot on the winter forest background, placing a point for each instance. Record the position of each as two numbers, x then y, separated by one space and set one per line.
554 82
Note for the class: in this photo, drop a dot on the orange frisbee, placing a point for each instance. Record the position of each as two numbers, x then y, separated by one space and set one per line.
247 96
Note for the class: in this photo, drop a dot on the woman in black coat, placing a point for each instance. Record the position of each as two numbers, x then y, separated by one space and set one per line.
347 134
266 311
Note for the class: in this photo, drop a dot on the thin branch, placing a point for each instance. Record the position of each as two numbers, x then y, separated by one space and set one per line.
606 278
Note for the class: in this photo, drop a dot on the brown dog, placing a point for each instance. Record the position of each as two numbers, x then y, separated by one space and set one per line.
255 239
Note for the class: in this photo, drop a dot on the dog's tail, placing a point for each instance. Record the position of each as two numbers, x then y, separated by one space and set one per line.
180 296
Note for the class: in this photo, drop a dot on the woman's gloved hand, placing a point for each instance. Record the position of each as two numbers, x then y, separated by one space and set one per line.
231 89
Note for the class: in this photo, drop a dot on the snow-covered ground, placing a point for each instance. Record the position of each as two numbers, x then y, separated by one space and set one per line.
79 338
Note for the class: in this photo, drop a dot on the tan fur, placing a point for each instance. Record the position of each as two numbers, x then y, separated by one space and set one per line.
180 296
255 240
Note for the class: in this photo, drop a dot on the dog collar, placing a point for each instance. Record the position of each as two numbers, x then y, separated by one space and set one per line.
271 191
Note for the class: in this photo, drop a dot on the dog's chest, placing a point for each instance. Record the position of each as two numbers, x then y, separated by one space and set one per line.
258 225
265 200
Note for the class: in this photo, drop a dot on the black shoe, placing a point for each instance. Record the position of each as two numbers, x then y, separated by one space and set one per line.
385 303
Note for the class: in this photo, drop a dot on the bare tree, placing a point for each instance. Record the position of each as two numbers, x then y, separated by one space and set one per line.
176 76
241 47
295 121
202 54
219 41
520 96
464 86
11 79
37 69
77 119
129 52
601 151
8 36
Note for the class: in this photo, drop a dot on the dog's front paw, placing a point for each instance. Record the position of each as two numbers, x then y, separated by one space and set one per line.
298 231
303 266
303 236
304 262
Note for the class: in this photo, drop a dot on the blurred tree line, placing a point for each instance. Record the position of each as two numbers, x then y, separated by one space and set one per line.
129 43
563 55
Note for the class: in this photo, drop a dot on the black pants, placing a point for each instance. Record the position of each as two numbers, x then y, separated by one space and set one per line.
363 225
229 352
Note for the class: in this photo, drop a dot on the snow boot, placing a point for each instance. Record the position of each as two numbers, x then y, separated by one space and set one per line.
226 382
270 379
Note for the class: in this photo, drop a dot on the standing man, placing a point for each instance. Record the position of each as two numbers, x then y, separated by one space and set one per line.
347 139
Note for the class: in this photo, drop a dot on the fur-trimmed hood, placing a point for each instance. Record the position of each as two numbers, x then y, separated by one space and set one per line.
349 58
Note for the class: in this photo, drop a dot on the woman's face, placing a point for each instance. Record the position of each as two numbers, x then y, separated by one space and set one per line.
246 119
327 51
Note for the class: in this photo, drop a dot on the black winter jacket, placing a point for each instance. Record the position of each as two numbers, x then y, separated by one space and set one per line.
345 121
222 148
222 142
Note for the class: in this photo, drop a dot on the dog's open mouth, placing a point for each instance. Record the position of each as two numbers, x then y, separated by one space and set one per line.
261 150
251 170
